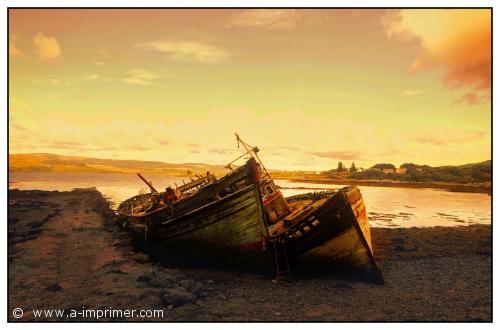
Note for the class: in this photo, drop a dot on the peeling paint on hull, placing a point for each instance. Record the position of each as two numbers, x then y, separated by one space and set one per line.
232 228
342 236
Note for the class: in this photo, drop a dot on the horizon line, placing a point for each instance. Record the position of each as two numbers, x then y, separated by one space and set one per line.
211 164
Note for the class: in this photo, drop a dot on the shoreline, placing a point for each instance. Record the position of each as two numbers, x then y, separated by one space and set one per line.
452 187
483 188
70 251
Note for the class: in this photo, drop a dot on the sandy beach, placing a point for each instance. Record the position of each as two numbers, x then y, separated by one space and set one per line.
67 251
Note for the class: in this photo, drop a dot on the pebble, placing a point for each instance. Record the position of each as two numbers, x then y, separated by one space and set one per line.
141 258
177 296
191 285
162 280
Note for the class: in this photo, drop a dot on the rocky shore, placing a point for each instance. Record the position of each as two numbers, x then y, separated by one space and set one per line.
67 251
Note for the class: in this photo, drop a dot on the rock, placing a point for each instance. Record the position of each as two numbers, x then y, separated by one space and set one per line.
177 296
191 285
162 280
221 296
28 315
54 287
179 277
116 270
144 278
141 258
187 312
144 274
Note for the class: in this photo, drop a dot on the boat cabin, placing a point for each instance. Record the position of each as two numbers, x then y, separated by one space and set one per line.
275 205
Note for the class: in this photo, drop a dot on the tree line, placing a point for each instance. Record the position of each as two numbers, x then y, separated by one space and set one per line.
470 173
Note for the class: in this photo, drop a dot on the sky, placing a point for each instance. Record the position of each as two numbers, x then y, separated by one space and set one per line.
310 87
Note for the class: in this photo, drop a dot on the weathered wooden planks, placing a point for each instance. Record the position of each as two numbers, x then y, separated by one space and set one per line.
233 221
337 232
231 229
358 207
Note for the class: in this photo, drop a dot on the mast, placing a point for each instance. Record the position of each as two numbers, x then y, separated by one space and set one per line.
252 151
148 183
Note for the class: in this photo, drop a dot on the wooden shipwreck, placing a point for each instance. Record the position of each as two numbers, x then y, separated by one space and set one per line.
244 217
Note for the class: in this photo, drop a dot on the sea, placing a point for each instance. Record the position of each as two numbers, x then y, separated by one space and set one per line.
387 207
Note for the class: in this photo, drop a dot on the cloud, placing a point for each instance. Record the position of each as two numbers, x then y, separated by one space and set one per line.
19 104
339 155
50 81
90 77
290 148
14 52
15 125
162 142
187 51
457 40
100 57
221 151
449 136
141 77
346 155
275 19
412 92
140 148
473 98
312 145
46 48
63 144
69 81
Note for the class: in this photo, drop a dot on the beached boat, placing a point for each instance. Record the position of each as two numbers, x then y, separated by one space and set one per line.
331 230
222 219
243 216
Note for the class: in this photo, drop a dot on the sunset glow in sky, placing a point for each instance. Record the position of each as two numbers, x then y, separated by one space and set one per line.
309 87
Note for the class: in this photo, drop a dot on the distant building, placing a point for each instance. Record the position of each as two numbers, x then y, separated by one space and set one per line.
386 168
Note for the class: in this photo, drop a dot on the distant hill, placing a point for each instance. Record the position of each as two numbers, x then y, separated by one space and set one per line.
468 173
59 163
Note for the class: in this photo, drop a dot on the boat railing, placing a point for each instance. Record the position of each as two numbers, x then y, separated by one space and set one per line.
194 185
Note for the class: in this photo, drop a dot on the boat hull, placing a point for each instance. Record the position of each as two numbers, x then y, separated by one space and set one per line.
338 234
232 228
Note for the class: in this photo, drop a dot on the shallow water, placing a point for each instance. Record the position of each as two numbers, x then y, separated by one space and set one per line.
386 206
